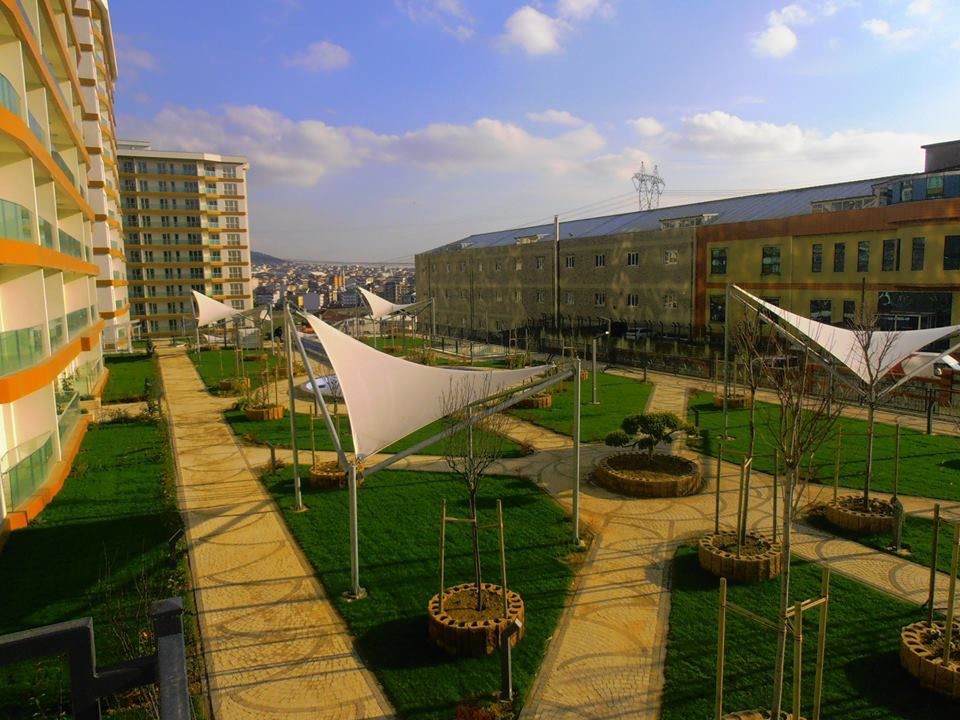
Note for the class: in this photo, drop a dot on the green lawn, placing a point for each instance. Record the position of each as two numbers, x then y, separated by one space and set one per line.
399 519
862 679
96 550
217 365
929 464
128 375
278 433
618 396
385 342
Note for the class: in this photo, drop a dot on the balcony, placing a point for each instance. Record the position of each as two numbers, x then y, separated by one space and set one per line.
46 234
68 416
9 98
24 469
16 222
77 321
71 246
37 129
57 334
58 159
20 349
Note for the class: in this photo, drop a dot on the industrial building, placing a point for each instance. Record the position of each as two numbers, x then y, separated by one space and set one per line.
662 273
186 227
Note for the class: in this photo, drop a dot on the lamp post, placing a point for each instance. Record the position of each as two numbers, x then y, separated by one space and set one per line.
594 400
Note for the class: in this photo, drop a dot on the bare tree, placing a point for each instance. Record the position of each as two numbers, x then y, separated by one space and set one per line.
804 423
748 340
470 451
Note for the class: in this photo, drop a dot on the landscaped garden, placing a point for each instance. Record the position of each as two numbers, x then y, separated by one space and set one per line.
929 464
100 550
131 378
399 523
619 397
217 365
277 432
863 679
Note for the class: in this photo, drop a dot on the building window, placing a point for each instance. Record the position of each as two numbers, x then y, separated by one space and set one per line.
820 310
816 258
230 189
518 296
233 223
463 266
670 302
890 261
770 260
568 297
518 264
916 253
499 296
633 259
718 308
498 266
448 267
671 257
569 261
863 256
633 300
951 252
540 299
480 267
541 262
228 205
839 256
849 311
906 192
433 267
718 261
599 261
599 299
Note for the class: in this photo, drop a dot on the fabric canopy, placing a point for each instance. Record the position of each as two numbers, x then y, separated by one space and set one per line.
886 348
210 311
388 398
380 308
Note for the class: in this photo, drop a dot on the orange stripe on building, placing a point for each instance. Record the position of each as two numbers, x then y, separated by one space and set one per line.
15 252
20 384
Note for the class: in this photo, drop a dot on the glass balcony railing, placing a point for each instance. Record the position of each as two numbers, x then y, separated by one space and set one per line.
16 222
87 376
68 417
47 238
71 246
20 349
25 468
77 320
9 98
58 158
58 335
37 130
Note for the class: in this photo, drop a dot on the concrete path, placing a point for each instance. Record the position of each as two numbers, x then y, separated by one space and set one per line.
274 645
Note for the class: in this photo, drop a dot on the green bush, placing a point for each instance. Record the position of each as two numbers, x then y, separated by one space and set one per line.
617 438
657 427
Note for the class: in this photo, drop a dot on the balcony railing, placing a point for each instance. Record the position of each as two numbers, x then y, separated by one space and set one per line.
58 335
25 468
16 222
58 158
46 234
20 349
9 97
71 246
37 130
68 418
77 320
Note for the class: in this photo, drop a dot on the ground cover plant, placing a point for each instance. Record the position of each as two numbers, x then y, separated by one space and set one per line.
277 432
619 396
100 550
399 522
862 679
215 365
929 464
131 378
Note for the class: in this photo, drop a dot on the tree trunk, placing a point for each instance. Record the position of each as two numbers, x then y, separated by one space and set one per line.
868 476
788 485
742 530
475 536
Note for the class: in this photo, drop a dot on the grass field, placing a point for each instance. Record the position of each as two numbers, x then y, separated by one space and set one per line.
277 432
862 679
128 375
399 521
929 464
619 397
97 550
217 365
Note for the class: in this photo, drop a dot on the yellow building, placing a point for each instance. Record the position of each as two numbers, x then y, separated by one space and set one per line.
56 119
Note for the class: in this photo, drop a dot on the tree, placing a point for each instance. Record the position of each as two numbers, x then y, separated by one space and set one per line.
470 453
657 427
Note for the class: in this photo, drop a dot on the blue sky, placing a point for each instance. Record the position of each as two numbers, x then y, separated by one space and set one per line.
379 128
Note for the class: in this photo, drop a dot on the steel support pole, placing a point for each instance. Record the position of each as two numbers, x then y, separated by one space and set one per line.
576 453
594 400
356 592
726 363
298 498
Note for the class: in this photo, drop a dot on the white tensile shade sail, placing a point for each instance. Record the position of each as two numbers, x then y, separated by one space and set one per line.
380 308
887 348
388 398
210 311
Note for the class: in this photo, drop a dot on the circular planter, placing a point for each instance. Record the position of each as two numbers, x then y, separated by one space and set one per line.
718 555
757 715
584 374
459 635
539 402
327 475
640 475
734 402
270 412
926 663
845 513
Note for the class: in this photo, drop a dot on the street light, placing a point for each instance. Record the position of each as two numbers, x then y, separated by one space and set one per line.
594 401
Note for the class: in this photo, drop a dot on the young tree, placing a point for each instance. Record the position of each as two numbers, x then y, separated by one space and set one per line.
469 452
657 427
747 338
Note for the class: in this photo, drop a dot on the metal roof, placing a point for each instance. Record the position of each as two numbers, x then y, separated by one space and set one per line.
764 206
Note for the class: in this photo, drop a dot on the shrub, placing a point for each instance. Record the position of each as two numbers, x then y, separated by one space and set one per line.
617 438
657 427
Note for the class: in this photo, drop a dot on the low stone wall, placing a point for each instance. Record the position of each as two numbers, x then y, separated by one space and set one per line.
538 402
745 568
327 475
926 667
857 520
475 638
734 402
270 412
682 475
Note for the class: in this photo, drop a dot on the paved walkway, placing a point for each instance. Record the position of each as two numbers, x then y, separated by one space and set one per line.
274 645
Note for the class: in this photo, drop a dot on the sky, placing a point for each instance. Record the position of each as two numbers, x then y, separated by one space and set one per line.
376 129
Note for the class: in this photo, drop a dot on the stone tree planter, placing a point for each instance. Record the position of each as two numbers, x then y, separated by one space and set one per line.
238 385
757 715
847 512
759 559
540 401
921 655
643 475
265 412
462 631
328 475
734 401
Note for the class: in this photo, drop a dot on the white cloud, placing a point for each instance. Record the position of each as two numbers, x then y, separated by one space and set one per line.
450 15
920 7
779 38
646 126
555 117
322 56
132 60
789 15
881 29
578 9
776 41
533 31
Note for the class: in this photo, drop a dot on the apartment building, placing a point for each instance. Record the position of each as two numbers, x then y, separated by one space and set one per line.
57 71
185 227
892 241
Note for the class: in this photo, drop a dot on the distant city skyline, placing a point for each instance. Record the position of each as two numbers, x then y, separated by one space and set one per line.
376 129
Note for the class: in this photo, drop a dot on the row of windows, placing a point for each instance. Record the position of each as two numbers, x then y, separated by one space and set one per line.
889 259
171 168
194 273
820 310
670 257
186 186
231 222
174 239
670 301
170 256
